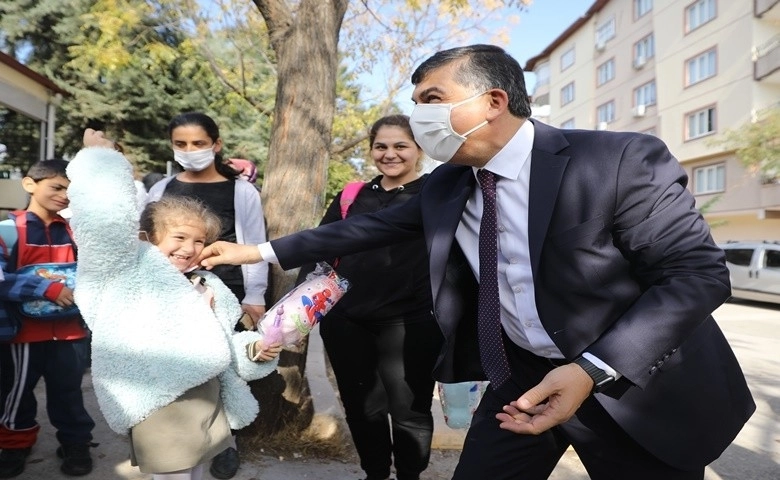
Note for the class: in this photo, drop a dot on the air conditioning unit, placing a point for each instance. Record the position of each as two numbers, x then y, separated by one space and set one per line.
600 45
638 111
639 62
602 126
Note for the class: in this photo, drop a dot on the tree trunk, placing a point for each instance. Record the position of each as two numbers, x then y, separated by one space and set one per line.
305 40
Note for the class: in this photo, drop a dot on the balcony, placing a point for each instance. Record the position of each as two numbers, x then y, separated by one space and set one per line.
766 61
766 9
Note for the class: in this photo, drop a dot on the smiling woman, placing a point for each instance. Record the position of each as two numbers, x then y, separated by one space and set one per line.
381 338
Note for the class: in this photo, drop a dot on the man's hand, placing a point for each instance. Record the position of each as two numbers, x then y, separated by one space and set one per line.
550 403
96 138
221 253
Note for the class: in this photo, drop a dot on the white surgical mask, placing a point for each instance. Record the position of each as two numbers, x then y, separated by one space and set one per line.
433 131
194 161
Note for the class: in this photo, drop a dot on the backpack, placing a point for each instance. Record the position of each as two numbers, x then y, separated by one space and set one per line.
64 272
348 196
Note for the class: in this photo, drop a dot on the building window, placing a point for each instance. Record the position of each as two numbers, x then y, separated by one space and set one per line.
568 123
567 94
605 113
700 67
642 8
567 59
700 123
542 74
605 31
709 179
605 72
699 13
645 94
643 50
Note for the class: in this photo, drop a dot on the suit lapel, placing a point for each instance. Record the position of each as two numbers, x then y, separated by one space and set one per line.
546 175
445 214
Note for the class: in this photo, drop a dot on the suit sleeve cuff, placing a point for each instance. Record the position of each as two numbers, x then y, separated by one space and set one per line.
597 362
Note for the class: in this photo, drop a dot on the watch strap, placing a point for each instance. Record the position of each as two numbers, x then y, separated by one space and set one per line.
601 379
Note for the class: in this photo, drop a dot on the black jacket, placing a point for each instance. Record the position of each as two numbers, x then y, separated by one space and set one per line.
388 284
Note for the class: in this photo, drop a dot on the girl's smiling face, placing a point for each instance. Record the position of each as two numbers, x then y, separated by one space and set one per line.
182 243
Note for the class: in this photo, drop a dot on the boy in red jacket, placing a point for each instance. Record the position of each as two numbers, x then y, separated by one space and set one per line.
53 349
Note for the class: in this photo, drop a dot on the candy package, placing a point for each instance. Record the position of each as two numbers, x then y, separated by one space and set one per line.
296 313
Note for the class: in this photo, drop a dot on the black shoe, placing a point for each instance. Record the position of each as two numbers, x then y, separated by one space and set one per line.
225 465
76 460
12 461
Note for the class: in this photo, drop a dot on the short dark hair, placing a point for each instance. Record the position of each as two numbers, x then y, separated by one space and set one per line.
483 67
54 167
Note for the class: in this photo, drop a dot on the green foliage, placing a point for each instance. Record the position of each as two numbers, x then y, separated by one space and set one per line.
128 67
757 143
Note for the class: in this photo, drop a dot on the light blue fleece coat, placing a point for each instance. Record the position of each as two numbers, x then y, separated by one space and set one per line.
153 337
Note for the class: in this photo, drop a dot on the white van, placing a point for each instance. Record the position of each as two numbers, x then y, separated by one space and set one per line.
755 270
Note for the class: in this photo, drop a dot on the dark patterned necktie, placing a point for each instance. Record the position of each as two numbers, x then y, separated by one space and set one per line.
491 345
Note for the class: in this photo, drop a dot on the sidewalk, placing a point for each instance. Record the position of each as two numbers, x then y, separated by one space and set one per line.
112 462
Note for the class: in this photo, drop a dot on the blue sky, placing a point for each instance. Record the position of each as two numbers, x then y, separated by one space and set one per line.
542 23
539 25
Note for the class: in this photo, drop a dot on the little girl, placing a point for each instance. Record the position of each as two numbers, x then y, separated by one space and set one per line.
167 366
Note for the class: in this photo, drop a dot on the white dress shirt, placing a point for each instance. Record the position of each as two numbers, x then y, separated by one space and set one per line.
519 317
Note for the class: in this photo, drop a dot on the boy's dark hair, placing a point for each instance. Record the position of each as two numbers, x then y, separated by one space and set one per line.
54 167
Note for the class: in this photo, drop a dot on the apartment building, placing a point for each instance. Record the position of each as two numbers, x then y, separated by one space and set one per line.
685 71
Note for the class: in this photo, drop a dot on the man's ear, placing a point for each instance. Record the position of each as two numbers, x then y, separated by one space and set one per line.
29 185
499 103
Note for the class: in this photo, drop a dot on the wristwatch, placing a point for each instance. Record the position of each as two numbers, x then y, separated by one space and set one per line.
600 378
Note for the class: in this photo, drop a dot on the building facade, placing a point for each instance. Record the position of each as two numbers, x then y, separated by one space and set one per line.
685 71
28 103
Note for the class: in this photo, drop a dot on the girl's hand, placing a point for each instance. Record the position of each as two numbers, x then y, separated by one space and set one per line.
96 138
258 352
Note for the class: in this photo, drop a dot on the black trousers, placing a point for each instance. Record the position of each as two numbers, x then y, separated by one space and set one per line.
605 450
381 371
61 363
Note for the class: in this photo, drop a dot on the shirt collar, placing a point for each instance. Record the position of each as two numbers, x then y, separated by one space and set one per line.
509 161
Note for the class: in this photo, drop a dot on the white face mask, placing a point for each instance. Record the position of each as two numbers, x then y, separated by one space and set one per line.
194 161
433 131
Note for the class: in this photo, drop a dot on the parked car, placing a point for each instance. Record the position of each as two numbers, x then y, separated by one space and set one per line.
755 270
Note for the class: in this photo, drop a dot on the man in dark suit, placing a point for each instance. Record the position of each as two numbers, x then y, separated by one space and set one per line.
607 276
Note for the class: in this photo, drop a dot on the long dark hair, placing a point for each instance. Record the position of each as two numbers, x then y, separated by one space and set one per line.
212 130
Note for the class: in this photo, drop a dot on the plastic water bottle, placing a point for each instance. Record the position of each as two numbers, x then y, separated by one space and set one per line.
459 401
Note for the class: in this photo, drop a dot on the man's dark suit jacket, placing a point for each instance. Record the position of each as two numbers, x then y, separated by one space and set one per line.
624 267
